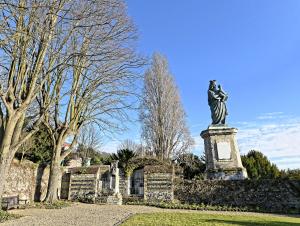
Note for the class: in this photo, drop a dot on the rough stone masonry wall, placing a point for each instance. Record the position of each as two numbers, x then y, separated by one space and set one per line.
158 183
26 180
267 195
122 182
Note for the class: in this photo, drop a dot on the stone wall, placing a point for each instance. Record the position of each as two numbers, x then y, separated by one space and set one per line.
82 181
158 183
27 180
123 182
266 195
65 183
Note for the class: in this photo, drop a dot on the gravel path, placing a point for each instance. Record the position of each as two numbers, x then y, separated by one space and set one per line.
88 215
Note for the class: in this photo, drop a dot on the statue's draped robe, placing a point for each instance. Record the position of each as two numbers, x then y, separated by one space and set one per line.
217 107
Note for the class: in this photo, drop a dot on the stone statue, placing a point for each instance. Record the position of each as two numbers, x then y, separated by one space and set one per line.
216 101
114 167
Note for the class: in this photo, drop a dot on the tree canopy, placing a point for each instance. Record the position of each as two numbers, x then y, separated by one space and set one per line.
259 166
38 148
123 156
192 165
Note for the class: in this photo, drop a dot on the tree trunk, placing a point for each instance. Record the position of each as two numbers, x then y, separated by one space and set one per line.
54 177
6 155
4 166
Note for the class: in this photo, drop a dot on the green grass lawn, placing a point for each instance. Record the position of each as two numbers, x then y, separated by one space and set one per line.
189 219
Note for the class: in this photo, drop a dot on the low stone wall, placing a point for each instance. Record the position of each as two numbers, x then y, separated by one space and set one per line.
158 183
267 195
81 181
26 180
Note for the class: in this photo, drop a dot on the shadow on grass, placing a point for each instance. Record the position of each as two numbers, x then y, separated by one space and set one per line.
256 223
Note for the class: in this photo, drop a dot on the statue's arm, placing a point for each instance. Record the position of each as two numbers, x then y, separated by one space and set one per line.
213 95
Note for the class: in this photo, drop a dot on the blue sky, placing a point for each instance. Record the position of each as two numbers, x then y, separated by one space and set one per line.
251 47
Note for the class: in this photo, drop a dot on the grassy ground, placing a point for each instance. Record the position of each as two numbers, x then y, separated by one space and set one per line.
190 219
4 216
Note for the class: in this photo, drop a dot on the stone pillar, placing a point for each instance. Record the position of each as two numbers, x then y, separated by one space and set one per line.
110 181
128 185
223 161
117 182
116 198
87 162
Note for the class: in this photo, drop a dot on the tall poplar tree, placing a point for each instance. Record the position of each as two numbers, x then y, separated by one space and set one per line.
163 118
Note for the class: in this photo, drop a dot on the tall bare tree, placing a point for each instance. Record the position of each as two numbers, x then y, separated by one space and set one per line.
89 138
164 128
89 142
27 29
96 83
129 145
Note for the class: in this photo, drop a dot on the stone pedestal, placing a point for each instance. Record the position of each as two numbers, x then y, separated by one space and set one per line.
116 198
223 161
117 182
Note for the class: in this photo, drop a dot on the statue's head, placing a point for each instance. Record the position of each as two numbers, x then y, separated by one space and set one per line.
212 85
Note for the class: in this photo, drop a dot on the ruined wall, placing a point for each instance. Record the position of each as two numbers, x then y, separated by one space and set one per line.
158 183
27 180
267 195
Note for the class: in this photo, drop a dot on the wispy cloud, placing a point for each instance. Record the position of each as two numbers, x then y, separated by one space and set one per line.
271 115
274 134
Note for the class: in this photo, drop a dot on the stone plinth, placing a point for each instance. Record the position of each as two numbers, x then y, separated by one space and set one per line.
115 199
223 159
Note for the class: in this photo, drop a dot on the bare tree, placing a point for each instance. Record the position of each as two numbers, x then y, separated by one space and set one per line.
96 83
162 116
88 140
143 151
128 144
27 29
89 136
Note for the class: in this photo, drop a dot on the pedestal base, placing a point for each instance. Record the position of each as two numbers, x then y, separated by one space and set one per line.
226 174
223 161
115 199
